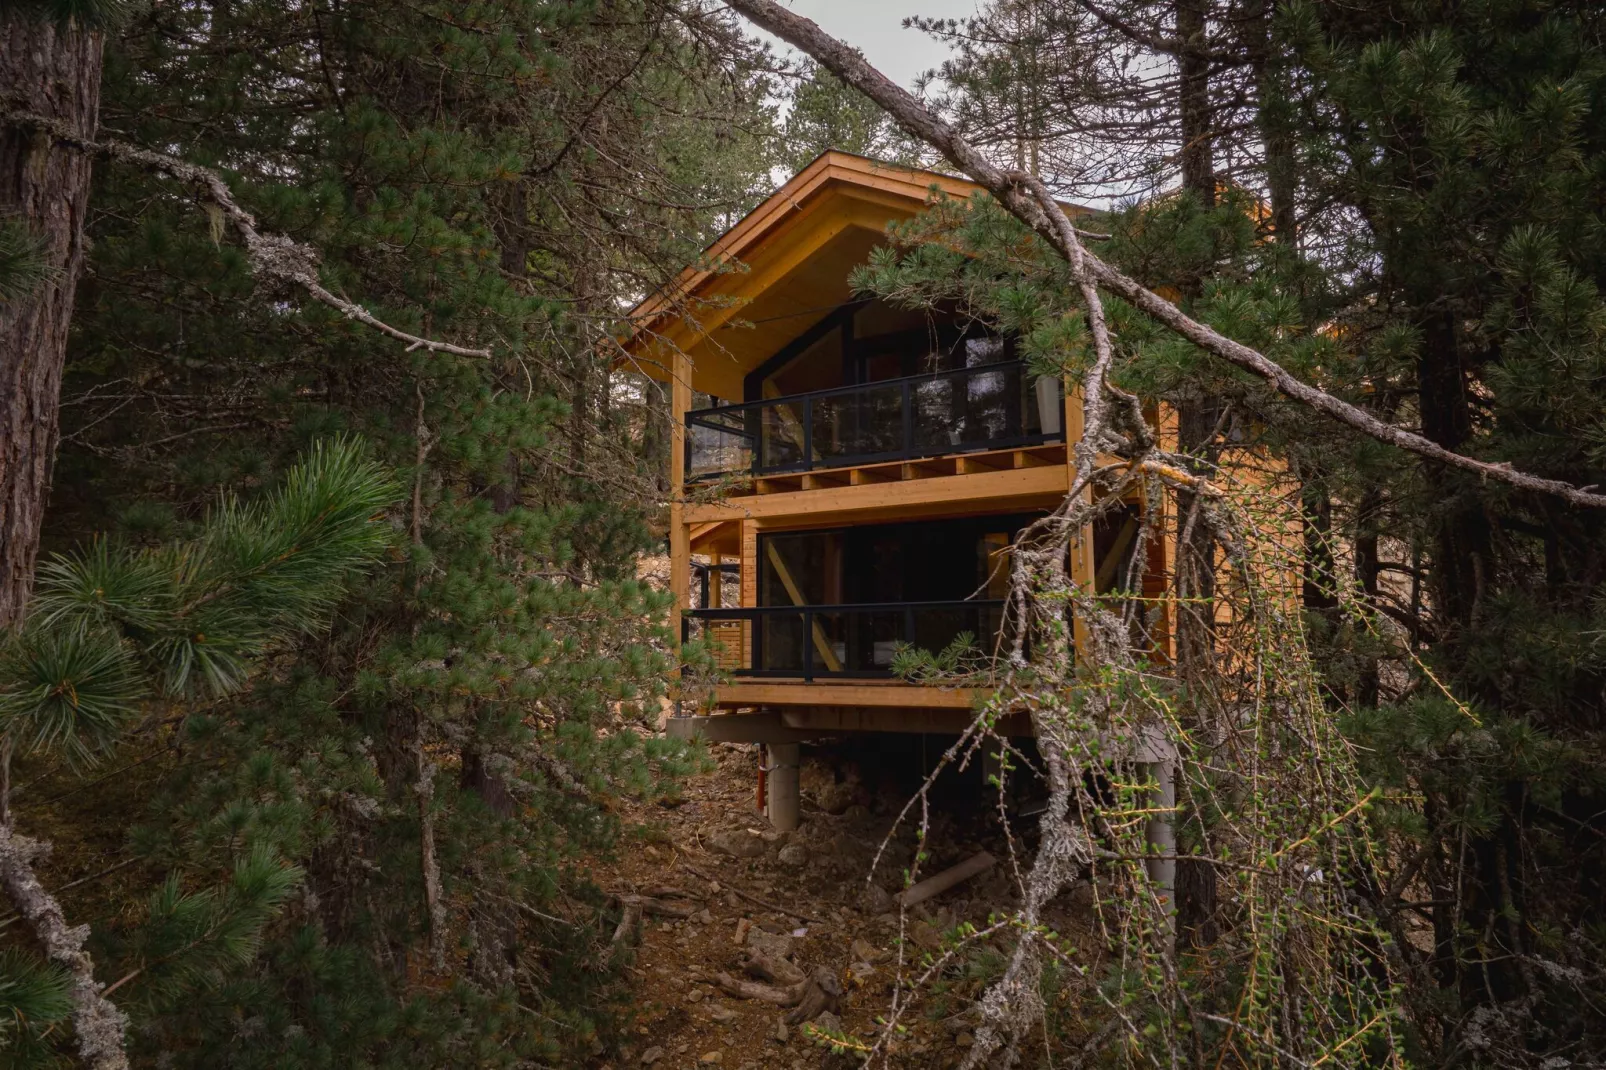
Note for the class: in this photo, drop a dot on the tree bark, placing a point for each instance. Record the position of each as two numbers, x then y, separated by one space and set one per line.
1193 101
49 69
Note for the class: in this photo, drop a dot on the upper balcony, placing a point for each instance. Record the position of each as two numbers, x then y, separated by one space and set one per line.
986 407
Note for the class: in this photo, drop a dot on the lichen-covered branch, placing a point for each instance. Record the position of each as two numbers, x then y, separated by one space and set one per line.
99 1025
274 256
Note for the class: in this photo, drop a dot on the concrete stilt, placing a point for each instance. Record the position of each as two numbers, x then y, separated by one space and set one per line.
783 786
1161 829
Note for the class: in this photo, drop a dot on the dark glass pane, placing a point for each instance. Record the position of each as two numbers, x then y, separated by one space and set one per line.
862 423
781 435
716 450
780 642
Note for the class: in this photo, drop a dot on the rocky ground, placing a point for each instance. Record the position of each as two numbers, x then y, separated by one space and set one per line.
803 910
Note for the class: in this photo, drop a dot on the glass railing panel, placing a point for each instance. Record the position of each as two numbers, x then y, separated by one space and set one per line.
860 640
714 448
862 423
969 409
781 429
989 406
838 640
781 637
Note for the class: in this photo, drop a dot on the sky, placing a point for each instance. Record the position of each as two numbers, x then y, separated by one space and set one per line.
875 27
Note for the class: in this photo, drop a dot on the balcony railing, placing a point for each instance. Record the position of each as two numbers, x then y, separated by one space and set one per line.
993 406
839 640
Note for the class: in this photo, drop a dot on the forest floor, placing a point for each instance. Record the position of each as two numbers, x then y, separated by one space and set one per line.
809 897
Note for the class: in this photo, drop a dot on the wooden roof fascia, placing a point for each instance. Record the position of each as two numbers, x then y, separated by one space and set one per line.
831 168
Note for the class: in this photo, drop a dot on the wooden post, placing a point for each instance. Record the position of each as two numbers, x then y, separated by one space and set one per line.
783 785
679 542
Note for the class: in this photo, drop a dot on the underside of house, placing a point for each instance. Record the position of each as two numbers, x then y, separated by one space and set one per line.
849 476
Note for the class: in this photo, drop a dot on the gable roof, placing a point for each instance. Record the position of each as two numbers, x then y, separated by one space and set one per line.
780 269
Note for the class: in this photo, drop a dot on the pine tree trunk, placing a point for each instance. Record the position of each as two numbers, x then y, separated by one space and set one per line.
1193 69
52 70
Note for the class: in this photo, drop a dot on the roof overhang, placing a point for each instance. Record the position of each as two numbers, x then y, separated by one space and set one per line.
779 270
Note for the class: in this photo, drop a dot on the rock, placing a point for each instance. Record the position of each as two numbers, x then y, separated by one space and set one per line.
828 1023
859 973
738 843
711 1058
704 917
864 952
651 1055
775 836
835 798
770 945
925 936
794 855
874 899
721 1013
779 1035
694 996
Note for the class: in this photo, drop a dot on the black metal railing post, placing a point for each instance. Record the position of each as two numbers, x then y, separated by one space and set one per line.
908 414
808 647
808 433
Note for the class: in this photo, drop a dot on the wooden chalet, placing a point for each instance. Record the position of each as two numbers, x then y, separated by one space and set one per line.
855 470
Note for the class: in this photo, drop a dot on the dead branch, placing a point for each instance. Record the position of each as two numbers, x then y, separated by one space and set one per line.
628 931
781 997
276 256
424 788
1022 201
98 1024
938 883
761 967
658 908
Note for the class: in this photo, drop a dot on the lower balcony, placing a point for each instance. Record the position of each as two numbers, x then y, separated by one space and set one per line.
839 642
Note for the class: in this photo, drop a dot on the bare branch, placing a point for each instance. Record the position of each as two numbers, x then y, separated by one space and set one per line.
99 1025
274 255
1023 203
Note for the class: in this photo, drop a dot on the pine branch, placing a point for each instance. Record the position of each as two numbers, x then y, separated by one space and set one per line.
99 1025
276 256
1020 200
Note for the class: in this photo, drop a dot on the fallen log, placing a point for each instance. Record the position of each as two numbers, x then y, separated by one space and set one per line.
781 997
941 882
658 908
761 967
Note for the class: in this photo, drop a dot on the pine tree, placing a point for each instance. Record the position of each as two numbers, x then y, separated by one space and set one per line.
437 763
825 114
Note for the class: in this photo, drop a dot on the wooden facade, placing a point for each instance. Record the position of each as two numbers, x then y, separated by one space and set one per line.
983 446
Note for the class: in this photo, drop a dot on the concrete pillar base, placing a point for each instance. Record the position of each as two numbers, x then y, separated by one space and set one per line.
781 762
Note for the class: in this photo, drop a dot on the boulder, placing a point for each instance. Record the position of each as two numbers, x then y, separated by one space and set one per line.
738 843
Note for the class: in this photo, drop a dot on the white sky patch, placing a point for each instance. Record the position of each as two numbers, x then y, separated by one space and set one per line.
875 27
